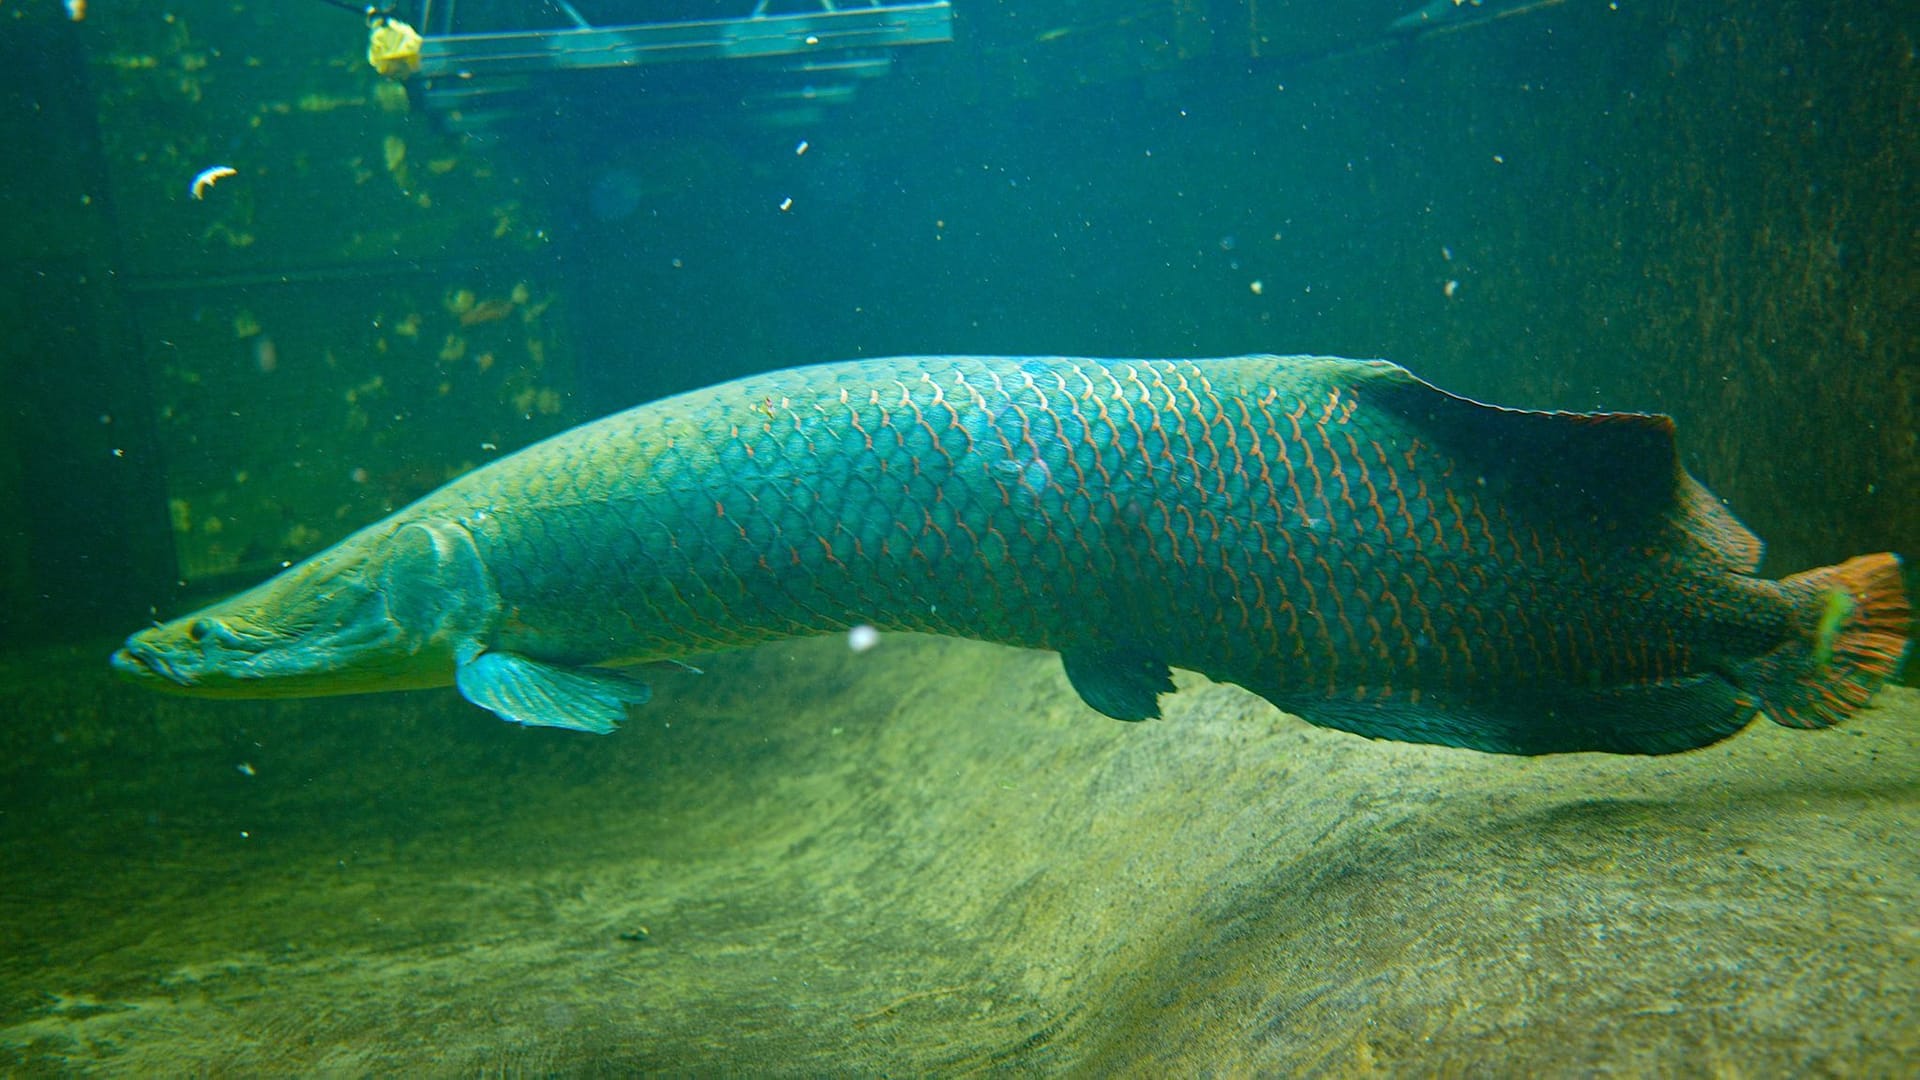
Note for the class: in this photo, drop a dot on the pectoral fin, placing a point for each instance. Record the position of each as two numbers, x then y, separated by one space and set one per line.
1124 683
529 692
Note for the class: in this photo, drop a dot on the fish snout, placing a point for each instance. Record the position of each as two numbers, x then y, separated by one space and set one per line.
138 660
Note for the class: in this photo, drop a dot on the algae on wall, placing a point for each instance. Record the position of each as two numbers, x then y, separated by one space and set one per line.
363 309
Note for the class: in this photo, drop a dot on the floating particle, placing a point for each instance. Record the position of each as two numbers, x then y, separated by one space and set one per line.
862 637
245 770
204 180
1256 286
801 149
786 204
1450 288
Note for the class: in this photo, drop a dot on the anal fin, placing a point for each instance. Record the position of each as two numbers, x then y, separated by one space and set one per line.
1122 682
1648 718
538 694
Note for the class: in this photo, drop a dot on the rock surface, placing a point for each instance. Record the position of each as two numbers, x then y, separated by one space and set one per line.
930 857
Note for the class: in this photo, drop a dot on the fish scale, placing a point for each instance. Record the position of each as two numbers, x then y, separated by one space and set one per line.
1346 540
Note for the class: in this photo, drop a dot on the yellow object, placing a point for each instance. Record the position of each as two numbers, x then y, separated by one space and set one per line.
394 49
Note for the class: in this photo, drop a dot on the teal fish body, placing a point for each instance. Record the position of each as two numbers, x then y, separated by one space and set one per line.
1337 536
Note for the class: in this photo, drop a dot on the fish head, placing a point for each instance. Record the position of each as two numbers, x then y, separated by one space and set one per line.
389 608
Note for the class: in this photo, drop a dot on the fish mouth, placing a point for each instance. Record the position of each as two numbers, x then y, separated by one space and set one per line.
142 662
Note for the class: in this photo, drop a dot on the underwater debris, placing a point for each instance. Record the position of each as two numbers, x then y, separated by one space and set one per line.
206 178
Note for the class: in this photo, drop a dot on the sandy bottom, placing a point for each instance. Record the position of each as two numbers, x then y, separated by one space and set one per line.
932 858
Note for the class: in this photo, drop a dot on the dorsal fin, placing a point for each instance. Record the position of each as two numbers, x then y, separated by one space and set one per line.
1617 471
1710 524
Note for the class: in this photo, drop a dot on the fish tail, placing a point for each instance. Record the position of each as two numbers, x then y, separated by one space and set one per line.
1852 623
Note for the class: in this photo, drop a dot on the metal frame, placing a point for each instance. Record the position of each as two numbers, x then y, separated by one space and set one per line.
813 27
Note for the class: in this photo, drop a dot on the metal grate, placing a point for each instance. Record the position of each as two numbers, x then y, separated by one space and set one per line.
482 63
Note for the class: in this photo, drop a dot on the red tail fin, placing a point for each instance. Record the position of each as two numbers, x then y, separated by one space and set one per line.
1854 619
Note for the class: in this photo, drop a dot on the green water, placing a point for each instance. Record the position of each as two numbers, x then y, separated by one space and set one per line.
929 858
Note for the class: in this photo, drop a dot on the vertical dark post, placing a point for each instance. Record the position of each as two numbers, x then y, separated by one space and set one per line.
84 541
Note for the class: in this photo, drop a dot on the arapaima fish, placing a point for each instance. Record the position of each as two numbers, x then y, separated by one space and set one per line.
1339 537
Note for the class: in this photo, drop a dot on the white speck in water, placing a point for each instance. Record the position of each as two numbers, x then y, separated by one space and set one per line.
245 769
862 637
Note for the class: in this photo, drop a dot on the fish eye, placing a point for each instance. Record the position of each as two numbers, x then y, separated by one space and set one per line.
198 629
